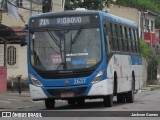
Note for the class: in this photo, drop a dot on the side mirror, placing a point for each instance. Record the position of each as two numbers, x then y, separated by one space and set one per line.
25 28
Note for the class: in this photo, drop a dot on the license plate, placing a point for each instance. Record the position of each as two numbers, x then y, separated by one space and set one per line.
66 95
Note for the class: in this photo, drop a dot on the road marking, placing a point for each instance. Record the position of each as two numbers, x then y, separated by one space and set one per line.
8 102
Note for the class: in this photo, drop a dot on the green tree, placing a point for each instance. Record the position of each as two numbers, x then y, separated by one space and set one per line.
140 4
146 50
88 4
148 53
152 69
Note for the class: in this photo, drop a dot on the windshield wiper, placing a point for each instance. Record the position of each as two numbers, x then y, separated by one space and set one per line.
51 46
77 35
61 64
54 39
62 51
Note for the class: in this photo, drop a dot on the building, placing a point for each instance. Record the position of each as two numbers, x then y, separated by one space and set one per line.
144 19
13 52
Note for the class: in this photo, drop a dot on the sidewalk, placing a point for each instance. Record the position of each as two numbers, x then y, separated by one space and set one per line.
16 93
144 89
150 88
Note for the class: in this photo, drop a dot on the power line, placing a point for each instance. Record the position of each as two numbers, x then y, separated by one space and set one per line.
43 3
39 3
32 9
23 7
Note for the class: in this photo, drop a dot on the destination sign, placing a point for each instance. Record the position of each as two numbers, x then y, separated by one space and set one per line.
69 20
60 21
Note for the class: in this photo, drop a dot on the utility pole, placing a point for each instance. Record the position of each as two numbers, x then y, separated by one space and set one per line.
30 7
47 6
63 4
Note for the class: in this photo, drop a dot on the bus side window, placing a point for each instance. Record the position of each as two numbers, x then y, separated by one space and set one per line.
121 38
108 44
130 40
110 31
138 44
125 39
116 37
137 47
133 41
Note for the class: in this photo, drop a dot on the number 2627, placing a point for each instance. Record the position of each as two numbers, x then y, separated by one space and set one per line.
79 81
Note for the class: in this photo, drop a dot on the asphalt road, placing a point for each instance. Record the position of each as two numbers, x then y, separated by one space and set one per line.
144 101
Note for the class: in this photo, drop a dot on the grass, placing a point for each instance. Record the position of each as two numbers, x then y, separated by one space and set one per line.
155 88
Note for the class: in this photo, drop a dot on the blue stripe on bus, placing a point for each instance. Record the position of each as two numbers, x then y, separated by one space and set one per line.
136 60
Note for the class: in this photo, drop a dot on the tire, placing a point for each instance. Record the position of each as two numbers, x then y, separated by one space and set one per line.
130 95
108 101
121 98
80 101
50 103
71 102
115 84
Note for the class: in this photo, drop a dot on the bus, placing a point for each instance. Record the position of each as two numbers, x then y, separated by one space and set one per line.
83 54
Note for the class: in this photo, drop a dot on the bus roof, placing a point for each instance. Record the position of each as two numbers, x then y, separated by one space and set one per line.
81 12
67 12
119 20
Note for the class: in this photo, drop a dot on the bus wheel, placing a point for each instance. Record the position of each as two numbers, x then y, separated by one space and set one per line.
108 101
50 103
130 95
121 98
71 101
80 101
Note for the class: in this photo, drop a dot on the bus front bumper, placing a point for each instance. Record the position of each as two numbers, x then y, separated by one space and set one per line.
101 88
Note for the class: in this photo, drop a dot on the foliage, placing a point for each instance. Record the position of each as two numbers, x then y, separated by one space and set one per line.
140 4
88 4
152 69
153 5
155 88
146 51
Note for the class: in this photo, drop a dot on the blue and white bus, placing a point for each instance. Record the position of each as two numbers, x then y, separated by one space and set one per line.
82 54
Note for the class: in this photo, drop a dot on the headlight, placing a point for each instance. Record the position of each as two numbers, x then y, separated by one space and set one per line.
35 80
98 77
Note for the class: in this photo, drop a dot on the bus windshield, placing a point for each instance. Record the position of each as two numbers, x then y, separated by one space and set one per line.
68 49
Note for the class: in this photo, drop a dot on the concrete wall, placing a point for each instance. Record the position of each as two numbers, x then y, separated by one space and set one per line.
125 12
20 68
144 71
57 5
7 20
